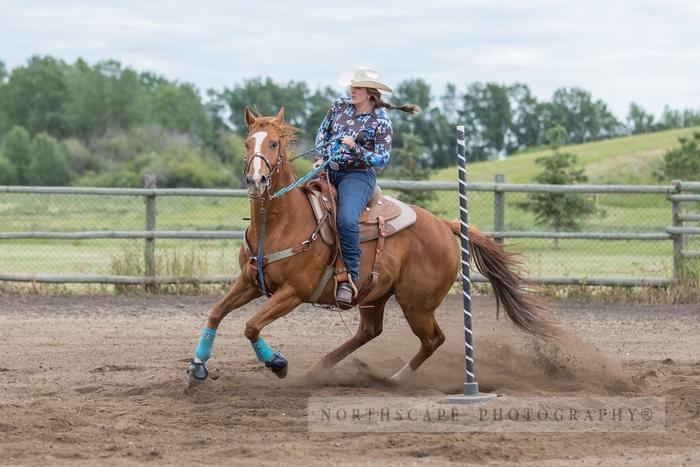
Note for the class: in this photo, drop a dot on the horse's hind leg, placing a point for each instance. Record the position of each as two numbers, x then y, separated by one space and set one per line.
424 326
371 324
238 295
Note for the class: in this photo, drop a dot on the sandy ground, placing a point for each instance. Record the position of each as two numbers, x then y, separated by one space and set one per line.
87 380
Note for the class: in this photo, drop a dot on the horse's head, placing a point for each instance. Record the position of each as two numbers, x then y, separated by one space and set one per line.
266 146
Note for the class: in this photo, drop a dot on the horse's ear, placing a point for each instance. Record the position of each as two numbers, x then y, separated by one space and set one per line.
280 115
249 118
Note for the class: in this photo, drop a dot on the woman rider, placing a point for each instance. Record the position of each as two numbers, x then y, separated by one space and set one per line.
362 125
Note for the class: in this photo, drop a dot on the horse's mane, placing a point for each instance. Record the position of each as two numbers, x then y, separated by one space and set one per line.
286 132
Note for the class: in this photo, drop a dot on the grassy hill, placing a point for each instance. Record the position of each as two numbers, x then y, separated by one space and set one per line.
628 160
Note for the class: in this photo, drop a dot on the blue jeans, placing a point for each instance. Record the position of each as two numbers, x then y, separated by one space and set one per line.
355 188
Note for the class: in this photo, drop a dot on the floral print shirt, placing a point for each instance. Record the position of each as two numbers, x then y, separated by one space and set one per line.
372 148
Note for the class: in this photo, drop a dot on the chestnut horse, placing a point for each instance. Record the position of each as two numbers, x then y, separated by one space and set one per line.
419 265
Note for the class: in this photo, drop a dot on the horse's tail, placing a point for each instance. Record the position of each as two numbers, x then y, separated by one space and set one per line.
504 270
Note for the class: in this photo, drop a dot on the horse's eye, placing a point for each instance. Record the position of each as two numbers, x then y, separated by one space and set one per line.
274 144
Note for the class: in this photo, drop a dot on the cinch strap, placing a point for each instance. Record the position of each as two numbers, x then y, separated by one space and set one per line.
203 351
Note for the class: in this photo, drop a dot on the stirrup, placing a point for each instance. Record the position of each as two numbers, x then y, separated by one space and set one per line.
344 293
349 288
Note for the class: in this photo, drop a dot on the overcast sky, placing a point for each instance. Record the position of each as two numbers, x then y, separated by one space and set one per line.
646 51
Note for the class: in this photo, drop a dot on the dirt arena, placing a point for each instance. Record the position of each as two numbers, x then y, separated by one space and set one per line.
89 380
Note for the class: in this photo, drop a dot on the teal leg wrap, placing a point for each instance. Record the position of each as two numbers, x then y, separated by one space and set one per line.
262 350
203 351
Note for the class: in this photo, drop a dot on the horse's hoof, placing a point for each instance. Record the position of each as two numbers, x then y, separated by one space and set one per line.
278 365
196 373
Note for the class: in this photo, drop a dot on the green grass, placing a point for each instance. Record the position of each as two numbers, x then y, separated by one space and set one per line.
593 258
628 160
118 257
66 213
34 212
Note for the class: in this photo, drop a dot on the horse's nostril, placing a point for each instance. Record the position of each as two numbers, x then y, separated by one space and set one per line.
248 180
263 179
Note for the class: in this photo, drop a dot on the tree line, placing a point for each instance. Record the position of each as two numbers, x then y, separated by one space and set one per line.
105 124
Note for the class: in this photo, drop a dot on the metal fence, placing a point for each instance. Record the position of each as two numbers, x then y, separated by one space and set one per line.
638 235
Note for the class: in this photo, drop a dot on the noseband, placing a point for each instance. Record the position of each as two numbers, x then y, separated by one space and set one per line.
272 170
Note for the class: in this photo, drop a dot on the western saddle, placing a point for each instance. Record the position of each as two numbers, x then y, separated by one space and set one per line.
382 217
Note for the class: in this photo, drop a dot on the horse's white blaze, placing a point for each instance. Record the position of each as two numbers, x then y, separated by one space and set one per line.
259 138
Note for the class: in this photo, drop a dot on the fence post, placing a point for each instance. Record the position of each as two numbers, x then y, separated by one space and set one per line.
677 238
499 207
149 250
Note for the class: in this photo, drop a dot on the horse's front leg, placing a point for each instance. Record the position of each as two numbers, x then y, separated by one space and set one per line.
238 295
282 302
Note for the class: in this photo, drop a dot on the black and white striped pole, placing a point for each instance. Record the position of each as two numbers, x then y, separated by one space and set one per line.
471 387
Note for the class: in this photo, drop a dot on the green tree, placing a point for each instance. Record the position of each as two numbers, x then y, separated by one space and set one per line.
87 110
526 118
127 95
442 149
317 107
106 96
487 115
584 118
683 163
15 148
48 162
434 126
178 107
410 156
414 91
4 119
8 174
449 103
178 168
81 158
559 211
444 117
691 117
639 121
266 96
231 151
35 96
671 118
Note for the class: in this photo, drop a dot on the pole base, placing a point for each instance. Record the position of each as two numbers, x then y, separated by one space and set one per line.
470 399
471 396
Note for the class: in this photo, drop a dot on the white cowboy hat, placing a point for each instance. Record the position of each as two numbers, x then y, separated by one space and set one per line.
362 77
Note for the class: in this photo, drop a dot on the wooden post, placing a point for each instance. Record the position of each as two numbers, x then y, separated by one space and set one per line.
677 237
149 250
499 207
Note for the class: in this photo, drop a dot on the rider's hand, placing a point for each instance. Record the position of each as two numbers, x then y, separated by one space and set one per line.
348 141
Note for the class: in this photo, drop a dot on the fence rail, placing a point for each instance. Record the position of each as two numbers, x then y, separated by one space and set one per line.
128 234
677 193
408 185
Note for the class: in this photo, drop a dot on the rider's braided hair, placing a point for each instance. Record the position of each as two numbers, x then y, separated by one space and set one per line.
376 99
